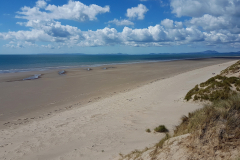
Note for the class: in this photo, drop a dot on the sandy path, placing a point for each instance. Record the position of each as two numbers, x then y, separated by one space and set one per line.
103 129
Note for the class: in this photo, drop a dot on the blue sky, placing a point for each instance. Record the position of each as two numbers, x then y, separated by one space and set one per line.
114 26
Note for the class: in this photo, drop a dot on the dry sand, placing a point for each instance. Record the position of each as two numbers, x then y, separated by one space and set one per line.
23 101
104 128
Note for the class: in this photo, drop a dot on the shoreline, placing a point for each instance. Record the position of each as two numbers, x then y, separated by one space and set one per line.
110 126
53 93
57 68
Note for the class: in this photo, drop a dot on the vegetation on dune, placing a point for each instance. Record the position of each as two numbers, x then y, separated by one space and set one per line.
232 69
133 155
159 146
215 88
214 129
219 87
161 128
225 111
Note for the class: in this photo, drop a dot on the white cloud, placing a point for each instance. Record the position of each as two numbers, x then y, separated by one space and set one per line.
74 10
52 28
178 24
30 36
167 23
152 36
222 27
123 22
41 4
210 15
208 22
211 23
101 37
49 46
197 8
44 28
221 37
137 12
13 46
160 35
19 45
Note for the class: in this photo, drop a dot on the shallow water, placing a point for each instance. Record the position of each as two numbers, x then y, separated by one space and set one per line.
23 63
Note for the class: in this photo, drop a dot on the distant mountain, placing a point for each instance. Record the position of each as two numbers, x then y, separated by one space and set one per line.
209 51
120 54
76 53
204 52
61 54
152 54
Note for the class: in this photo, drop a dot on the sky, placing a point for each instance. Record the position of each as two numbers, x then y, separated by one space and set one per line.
119 26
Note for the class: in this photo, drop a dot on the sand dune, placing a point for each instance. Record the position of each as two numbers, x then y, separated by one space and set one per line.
103 129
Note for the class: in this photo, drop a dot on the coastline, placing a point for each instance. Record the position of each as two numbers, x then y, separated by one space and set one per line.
56 68
109 126
25 101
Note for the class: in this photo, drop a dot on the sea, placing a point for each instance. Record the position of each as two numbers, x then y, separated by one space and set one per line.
41 62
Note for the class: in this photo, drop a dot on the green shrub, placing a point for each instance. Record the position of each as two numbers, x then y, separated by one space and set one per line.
237 83
191 92
219 77
148 130
161 128
195 97
232 79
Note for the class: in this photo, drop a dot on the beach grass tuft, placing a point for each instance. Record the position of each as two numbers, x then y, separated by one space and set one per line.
161 128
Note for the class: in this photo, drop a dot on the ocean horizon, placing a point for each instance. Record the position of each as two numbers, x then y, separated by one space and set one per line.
41 62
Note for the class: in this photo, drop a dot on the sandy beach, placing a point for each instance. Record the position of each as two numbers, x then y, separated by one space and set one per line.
23 101
96 114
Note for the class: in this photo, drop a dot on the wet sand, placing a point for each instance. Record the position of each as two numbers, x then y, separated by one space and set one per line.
24 101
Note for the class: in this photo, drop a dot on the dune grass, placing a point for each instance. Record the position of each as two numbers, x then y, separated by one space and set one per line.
219 87
133 155
215 88
231 69
148 130
225 111
161 129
